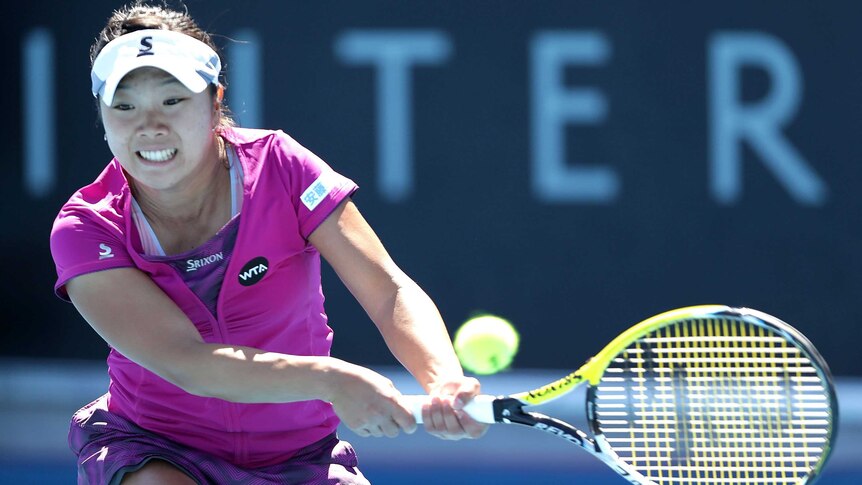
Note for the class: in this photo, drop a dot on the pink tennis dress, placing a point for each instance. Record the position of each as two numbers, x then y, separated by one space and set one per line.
268 297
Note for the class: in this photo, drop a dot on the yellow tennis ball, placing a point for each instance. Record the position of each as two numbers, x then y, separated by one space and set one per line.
486 344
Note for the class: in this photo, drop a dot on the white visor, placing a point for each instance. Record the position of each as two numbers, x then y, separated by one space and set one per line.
189 60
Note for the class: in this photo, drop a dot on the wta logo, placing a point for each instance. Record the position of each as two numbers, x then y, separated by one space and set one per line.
253 271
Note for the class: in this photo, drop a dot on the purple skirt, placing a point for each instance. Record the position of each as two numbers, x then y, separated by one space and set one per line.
109 446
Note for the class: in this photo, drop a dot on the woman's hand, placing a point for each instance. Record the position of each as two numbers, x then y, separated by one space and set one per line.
445 418
368 403
413 330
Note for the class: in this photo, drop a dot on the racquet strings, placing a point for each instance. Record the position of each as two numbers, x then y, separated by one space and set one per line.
718 400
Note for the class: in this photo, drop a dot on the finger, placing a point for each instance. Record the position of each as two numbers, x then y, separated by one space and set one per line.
426 415
472 428
467 390
404 419
390 429
451 422
444 422
434 421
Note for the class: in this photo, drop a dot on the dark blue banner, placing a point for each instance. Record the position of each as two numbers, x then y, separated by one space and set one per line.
573 166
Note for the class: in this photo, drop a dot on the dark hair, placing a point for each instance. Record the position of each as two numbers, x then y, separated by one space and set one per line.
141 15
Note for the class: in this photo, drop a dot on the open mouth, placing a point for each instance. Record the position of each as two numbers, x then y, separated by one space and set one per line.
158 155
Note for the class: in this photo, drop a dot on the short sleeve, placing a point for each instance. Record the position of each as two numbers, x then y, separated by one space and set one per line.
315 187
82 244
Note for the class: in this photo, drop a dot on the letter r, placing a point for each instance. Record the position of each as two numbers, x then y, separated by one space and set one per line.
760 123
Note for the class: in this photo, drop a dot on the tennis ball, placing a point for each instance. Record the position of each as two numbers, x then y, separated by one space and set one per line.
486 344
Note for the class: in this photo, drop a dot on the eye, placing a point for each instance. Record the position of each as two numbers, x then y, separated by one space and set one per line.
173 101
123 107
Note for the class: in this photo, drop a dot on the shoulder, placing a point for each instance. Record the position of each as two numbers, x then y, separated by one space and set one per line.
89 231
258 144
262 151
247 136
102 203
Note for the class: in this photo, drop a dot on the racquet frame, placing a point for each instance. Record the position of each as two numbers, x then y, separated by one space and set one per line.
510 409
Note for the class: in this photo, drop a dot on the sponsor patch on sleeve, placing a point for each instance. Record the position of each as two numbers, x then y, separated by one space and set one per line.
318 190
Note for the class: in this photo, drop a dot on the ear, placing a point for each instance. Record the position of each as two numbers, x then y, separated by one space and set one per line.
219 94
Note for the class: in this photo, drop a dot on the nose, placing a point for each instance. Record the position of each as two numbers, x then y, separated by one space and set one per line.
153 123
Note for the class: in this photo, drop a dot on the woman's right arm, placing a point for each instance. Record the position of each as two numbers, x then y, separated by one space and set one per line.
135 317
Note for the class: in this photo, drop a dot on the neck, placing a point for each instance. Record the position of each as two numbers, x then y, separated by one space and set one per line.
185 218
188 206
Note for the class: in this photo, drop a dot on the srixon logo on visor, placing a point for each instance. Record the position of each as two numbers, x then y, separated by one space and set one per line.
253 271
146 47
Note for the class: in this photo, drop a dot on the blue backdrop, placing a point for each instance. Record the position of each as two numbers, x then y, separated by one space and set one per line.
573 166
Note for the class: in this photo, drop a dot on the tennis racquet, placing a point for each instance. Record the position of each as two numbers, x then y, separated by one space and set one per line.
699 395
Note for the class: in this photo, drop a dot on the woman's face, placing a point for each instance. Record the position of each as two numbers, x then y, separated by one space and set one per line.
160 131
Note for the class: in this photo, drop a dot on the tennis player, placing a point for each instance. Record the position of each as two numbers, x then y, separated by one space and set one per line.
195 255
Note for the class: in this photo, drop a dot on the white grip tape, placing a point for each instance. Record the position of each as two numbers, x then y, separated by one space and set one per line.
480 408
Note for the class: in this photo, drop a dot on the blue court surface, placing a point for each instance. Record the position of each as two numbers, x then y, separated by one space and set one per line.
37 399
54 473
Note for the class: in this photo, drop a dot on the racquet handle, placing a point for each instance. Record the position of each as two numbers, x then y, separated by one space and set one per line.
480 408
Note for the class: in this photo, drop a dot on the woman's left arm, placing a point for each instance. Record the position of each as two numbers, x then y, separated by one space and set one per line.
406 316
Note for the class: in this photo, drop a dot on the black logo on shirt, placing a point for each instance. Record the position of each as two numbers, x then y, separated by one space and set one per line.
253 271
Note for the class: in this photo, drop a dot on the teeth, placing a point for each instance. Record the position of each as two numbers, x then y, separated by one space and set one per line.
158 155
